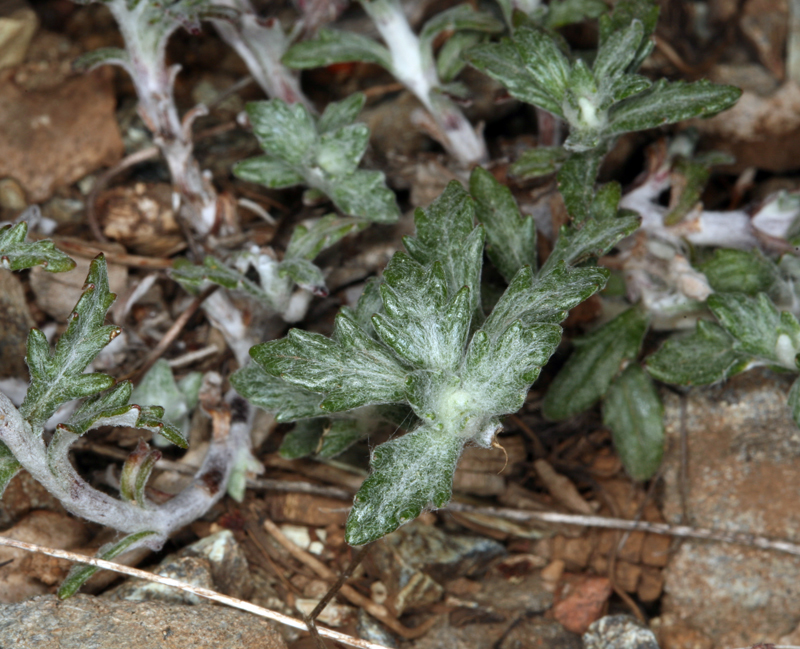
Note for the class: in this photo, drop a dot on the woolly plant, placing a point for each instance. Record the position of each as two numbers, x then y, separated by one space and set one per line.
599 99
58 376
410 58
146 26
422 341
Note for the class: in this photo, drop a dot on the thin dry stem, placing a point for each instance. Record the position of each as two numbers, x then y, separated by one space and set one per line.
206 593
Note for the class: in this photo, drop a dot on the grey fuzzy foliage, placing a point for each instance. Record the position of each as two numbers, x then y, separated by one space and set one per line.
632 410
420 339
323 154
593 366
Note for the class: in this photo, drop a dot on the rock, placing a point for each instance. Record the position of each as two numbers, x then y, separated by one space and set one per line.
18 24
141 218
85 622
582 603
71 128
411 561
57 293
29 574
12 196
539 633
368 628
22 495
471 636
619 632
514 596
216 562
15 323
758 131
743 462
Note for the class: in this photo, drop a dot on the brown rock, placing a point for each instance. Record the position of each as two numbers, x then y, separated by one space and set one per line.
53 138
57 293
539 633
27 575
651 583
583 603
672 633
574 552
655 550
743 462
627 575
15 323
22 495
84 621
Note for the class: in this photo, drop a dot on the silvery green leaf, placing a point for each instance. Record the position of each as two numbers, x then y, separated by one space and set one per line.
158 387
369 303
511 239
101 56
58 376
753 321
339 435
111 408
338 114
616 54
501 368
193 277
576 180
668 102
284 131
365 194
632 410
289 402
451 61
18 254
408 474
445 233
350 369
80 574
9 467
268 171
624 13
593 365
458 19
303 440
693 178
422 322
305 274
332 46
594 239
543 60
566 12
340 151
793 403
310 239
503 63
741 271
706 356
539 161
545 298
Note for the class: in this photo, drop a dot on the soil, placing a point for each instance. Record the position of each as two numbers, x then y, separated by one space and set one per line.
470 576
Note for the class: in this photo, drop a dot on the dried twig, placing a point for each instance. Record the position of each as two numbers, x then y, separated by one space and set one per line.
378 611
172 333
206 593
739 538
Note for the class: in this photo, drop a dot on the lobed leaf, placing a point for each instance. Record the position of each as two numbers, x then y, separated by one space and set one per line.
289 402
598 358
57 376
284 131
445 233
458 19
632 410
303 440
408 474
706 356
503 63
668 102
364 194
566 12
339 114
539 161
741 271
576 180
18 254
333 46
450 60
511 239
268 171
350 369
310 239
543 60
